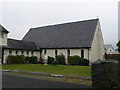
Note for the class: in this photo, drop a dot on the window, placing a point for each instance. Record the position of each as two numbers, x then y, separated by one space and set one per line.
31 52
45 51
40 51
56 53
27 52
10 52
16 52
68 53
22 52
82 53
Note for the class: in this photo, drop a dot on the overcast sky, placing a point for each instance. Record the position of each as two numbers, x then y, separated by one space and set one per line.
18 16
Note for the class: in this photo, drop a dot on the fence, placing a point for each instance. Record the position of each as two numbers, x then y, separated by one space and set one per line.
106 75
112 56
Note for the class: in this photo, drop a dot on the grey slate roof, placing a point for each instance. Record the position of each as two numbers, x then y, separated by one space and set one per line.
22 45
2 29
68 35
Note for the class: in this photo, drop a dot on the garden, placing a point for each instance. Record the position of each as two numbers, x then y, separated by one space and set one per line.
76 65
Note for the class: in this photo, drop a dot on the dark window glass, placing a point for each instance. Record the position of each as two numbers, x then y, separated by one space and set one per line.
56 53
68 53
16 52
82 53
45 51
40 51
10 52
27 52
32 52
22 52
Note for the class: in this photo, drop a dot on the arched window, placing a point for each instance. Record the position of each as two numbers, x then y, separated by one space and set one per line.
10 52
22 52
68 53
45 51
82 53
16 52
32 53
56 53
27 52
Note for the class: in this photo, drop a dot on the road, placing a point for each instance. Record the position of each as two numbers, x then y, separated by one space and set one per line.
12 81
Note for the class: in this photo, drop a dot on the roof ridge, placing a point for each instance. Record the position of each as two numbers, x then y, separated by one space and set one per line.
64 23
20 40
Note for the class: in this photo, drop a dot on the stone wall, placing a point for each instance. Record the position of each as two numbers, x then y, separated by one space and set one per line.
106 74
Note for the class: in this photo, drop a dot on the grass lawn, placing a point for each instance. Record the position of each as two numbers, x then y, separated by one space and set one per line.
54 69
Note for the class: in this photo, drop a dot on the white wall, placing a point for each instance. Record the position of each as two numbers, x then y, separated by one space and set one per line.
3 39
6 53
110 50
97 49
51 52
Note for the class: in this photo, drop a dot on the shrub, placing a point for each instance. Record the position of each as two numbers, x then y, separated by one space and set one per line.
19 59
27 59
74 60
55 62
84 62
9 59
33 59
61 59
50 60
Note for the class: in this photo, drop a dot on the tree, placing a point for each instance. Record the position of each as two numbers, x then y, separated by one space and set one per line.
118 45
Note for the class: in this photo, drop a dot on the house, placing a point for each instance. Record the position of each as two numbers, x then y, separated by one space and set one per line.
15 47
109 49
82 38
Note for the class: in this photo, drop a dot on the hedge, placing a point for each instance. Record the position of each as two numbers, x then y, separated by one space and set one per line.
33 60
18 59
61 59
21 59
50 60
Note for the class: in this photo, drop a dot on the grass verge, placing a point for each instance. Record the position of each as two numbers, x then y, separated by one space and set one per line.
53 69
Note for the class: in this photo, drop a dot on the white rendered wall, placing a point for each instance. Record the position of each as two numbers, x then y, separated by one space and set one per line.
6 53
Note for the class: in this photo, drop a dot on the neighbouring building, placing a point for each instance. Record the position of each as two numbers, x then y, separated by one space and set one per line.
109 49
82 38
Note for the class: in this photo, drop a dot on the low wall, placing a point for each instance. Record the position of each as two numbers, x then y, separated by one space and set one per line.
112 56
106 74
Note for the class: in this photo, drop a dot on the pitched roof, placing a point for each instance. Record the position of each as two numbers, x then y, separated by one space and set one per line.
107 46
22 45
68 35
3 29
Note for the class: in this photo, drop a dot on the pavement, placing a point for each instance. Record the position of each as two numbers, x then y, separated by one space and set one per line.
12 81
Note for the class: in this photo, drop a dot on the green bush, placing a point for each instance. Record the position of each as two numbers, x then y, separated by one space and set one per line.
84 62
61 59
27 59
33 60
9 59
74 60
50 60
55 62
19 59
